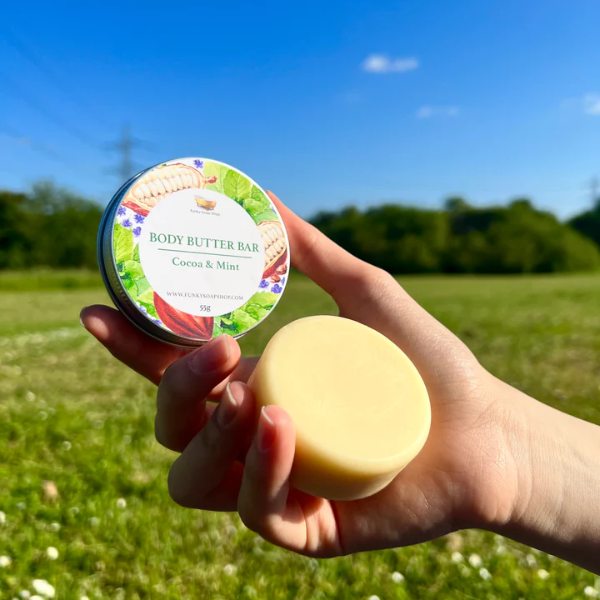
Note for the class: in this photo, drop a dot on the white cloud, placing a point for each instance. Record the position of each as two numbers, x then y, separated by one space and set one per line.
427 112
380 63
591 104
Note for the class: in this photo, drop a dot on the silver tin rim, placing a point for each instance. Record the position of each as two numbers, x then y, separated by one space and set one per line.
114 287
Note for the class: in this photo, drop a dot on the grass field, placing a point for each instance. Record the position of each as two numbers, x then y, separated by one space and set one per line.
71 415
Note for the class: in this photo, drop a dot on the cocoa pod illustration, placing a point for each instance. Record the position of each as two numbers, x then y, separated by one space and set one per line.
275 244
157 183
182 323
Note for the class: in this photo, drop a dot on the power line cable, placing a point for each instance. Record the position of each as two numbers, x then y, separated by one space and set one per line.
76 99
34 145
73 130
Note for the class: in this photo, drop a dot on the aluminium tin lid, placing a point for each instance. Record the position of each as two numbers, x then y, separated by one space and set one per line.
193 248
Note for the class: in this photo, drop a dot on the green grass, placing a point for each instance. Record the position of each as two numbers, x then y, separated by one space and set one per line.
71 414
43 279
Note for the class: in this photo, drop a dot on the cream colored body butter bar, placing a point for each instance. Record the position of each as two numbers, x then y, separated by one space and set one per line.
359 405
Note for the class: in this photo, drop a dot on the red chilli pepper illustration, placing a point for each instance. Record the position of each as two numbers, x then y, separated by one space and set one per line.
182 323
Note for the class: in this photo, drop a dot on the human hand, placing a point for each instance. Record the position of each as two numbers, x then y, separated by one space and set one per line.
465 476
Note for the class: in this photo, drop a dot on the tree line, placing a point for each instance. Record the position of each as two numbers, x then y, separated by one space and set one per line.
54 228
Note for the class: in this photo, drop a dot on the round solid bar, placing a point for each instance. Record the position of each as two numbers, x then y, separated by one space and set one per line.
359 406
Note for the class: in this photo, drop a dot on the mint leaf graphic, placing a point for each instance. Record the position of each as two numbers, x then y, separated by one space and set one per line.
210 169
123 243
255 207
236 186
267 215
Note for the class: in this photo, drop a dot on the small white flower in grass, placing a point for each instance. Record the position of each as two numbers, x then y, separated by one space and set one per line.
55 527
475 560
5 561
373 597
465 571
42 587
229 569
543 574
29 396
485 574
25 594
121 503
530 558
94 522
74 510
83 598
52 553
67 445
36 597
2 518
591 592
21 506
397 577
501 549
457 557
42 415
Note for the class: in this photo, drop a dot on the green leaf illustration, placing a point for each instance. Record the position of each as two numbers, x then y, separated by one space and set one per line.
123 243
242 320
150 309
142 286
217 330
267 215
129 285
257 194
211 168
255 207
236 186
249 314
136 253
133 269
257 312
264 299
147 297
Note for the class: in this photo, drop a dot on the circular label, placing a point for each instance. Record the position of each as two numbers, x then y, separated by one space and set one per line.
199 248
202 252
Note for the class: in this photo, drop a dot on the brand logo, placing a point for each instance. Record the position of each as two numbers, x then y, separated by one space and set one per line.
205 204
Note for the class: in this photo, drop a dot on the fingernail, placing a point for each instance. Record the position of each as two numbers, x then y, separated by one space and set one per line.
212 356
266 431
81 318
228 408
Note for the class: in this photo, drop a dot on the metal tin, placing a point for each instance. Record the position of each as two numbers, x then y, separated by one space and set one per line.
193 248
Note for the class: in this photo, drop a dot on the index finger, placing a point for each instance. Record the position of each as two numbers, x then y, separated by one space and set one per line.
330 266
125 342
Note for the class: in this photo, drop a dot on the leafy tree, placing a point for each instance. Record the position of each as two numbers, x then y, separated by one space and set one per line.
588 223
48 227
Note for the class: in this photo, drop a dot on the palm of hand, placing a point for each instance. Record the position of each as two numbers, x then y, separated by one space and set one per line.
451 484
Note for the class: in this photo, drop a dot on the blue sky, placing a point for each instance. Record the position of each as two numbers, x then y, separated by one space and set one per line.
325 103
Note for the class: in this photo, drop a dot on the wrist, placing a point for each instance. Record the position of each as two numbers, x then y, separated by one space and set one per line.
554 504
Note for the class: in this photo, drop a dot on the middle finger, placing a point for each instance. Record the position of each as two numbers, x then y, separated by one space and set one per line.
182 393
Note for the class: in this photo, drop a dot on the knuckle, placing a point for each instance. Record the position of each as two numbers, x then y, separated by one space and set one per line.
178 490
166 440
249 514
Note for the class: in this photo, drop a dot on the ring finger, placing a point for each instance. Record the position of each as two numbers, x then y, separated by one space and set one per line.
207 475
182 393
